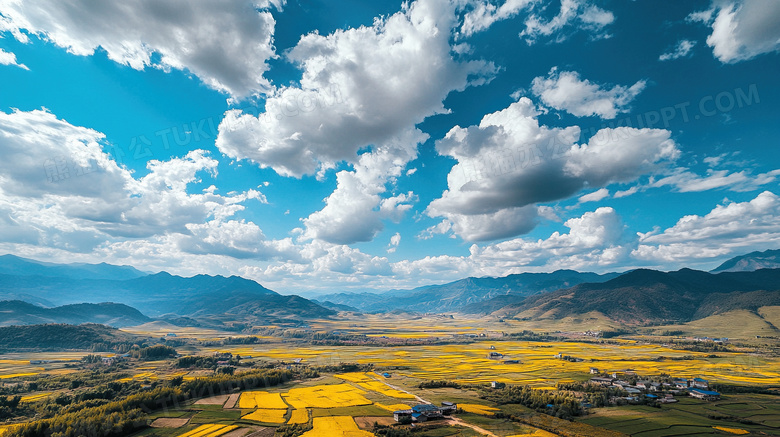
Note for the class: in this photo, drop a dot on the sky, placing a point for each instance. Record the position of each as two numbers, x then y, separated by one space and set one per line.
320 146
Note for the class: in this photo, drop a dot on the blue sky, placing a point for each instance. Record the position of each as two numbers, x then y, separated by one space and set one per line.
322 146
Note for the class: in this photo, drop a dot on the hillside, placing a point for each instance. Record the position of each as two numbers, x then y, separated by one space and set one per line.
768 259
60 336
454 296
645 297
110 314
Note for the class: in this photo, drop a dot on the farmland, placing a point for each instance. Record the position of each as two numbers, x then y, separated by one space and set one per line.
392 371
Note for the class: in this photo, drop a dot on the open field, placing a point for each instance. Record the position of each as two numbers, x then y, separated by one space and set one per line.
751 413
537 365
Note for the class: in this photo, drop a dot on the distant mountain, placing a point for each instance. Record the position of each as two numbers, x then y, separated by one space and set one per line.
454 296
768 259
14 265
645 297
163 293
111 314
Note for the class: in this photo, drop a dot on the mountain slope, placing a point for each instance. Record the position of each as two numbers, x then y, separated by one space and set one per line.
768 259
456 295
647 296
111 314
14 265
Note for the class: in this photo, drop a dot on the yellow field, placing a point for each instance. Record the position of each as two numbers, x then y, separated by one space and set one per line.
478 409
732 430
261 399
17 375
299 415
326 396
33 398
336 426
366 381
266 416
393 407
209 431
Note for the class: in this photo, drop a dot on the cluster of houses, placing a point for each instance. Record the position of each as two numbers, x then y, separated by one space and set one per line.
714 340
697 387
425 412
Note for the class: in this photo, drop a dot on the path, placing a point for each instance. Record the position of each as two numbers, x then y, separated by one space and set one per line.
458 421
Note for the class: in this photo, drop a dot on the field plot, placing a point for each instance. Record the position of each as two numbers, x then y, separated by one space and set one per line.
336 426
478 409
211 430
299 415
261 399
266 416
366 381
326 396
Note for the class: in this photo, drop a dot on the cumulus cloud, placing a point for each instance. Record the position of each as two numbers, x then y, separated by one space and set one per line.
60 189
225 43
360 87
574 15
681 50
8 58
741 30
727 229
509 162
565 91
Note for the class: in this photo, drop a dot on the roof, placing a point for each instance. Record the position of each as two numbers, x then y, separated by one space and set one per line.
699 380
705 392
402 412
425 407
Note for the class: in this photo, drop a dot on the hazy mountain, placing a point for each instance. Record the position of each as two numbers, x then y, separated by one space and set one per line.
768 259
648 296
456 295
112 314
156 294
14 265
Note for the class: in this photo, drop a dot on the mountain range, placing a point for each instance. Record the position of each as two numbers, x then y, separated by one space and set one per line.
457 295
201 296
638 297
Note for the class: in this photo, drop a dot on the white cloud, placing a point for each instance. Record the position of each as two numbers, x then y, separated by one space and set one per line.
595 196
741 30
8 58
484 13
626 193
395 240
509 162
685 181
727 229
573 16
595 239
682 49
58 187
225 43
567 92
360 87
355 210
